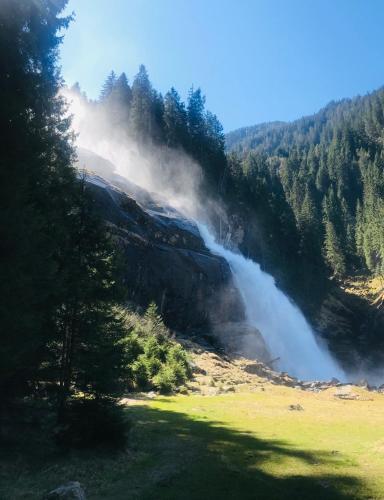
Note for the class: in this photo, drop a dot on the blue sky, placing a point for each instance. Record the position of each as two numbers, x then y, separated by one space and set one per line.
255 60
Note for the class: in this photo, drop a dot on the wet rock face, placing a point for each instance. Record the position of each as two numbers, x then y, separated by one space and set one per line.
242 339
166 260
353 329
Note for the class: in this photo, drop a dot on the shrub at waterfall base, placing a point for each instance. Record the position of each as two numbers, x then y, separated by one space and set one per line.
154 359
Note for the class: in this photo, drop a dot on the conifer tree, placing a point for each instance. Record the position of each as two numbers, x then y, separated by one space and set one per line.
175 120
90 356
57 282
118 102
122 90
141 111
196 122
333 252
108 86
157 117
36 182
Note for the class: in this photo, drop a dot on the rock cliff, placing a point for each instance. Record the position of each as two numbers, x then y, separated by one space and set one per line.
166 260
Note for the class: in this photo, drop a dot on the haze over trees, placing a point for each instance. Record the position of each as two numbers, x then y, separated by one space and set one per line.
137 111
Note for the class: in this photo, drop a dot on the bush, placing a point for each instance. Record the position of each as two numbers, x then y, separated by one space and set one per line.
140 376
155 360
165 380
93 423
177 359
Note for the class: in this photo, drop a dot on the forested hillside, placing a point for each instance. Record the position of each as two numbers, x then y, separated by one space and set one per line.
328 170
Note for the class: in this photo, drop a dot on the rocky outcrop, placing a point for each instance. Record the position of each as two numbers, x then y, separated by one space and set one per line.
220 370
352 325
166 260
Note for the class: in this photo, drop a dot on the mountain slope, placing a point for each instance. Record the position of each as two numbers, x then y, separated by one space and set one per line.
278 137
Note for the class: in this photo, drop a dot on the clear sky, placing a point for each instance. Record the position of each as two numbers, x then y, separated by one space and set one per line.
255 60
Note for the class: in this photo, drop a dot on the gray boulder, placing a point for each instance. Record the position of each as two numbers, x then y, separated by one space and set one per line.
68 491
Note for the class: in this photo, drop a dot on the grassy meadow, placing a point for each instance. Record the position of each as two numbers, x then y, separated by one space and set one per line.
243 445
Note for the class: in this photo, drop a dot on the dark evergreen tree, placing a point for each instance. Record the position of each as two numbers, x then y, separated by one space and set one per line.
214 147
36 183
88 350
142 106
59 331
333 251
118 102
123 90
108 86
196 122
157 117
175 120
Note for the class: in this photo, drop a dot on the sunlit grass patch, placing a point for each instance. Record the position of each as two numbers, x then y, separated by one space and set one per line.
231 446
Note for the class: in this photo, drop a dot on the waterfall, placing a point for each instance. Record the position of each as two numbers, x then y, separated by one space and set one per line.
284 328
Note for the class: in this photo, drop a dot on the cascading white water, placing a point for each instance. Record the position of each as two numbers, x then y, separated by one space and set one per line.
282 325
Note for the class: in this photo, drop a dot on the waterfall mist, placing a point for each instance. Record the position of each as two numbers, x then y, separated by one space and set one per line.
170 173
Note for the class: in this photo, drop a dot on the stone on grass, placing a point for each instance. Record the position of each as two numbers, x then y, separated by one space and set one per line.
68 491
296 407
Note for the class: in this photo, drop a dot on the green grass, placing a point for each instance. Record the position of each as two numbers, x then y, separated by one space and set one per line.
233 446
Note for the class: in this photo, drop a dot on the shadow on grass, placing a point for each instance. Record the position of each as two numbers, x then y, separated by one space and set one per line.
172 456
198 459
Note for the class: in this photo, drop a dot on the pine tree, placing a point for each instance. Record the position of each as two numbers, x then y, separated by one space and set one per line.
359 231
196 122
108 86
175 120
141 111
36 182
90 356
322 179
215 136
123 90
57 282
118 104
333 253
157 117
